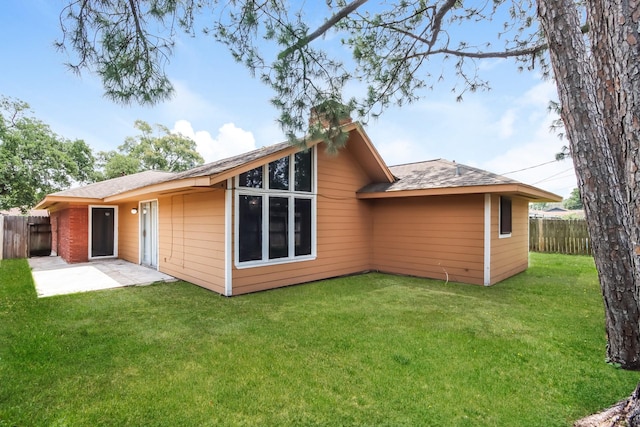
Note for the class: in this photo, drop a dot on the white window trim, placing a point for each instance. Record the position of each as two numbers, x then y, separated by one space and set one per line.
266 193
156 231
115 232
487 239
500 234
228 215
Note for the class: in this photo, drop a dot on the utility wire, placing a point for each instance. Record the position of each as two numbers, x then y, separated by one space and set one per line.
552 176
530 167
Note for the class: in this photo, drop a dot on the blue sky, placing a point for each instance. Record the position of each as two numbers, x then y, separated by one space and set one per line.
226 111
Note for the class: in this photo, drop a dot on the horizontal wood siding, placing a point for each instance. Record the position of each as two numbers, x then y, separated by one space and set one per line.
509 255
438 237
191 238
343 228
128 233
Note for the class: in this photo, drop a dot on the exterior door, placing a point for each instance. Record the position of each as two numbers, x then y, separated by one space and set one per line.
149 234
103 231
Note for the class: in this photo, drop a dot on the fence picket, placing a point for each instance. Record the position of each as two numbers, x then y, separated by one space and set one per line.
24 236
565 236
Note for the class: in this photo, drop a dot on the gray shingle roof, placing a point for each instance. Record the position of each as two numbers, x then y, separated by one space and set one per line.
232 162
434 174
111 187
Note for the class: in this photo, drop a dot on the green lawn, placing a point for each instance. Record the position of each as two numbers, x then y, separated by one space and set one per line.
364 350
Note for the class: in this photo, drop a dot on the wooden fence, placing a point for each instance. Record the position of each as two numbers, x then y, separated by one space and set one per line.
24 236
564 236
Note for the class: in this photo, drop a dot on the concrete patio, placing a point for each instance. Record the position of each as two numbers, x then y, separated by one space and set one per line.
53 276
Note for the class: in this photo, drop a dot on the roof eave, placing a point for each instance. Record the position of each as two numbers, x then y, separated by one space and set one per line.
172 185
245 167
522 190
51 200
372 161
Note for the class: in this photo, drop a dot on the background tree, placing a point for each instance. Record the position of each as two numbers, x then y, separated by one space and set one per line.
395 47
115 164
574 201
167 152
539 206
34 161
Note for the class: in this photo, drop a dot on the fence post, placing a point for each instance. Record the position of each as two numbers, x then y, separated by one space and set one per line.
541 247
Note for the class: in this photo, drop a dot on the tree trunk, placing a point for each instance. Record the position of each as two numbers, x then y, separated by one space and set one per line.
598 89
623 414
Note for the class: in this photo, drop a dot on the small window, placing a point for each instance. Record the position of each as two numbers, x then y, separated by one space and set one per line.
250 228
278 227
279 174
302 171
505 216
251 179
303 226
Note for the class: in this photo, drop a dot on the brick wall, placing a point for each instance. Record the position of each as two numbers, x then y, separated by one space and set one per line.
72 233
53 218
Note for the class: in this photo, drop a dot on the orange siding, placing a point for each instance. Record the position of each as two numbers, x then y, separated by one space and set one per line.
191 238
128 233
430 237
344 231
509 255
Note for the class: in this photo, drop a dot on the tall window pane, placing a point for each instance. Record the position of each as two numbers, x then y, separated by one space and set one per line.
303 226
302 171
250 228
252 178
279 174
278 227
505 215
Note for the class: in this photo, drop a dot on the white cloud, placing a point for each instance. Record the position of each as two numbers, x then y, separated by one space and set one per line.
230 140
187 103
539 149
505 124
540 95
398 151
490 64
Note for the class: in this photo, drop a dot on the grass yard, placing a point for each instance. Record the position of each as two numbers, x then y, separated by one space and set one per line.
364 350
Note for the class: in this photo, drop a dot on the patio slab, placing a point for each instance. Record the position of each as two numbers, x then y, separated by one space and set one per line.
53 276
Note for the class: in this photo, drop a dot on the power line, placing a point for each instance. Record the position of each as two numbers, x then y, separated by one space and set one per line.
552 176
530 167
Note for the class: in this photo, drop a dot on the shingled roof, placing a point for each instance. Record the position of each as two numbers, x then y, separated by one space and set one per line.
111 187
232 162
435 174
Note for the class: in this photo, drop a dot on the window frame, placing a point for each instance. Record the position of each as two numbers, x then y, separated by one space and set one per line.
266 193
502 233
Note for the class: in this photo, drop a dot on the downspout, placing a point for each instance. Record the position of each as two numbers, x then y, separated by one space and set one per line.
487 240
228 226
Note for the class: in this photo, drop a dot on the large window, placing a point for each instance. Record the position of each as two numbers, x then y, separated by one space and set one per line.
275 212
505 217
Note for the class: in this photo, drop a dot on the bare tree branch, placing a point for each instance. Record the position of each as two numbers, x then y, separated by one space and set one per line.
437 21
329 23
482 55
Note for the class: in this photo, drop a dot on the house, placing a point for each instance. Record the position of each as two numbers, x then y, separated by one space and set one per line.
280 216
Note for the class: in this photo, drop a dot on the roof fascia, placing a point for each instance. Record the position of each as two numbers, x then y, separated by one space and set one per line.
51 200
163 186
230 173
381 171
523 190
207 180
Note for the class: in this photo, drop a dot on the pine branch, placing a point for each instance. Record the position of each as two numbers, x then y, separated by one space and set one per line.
323 28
